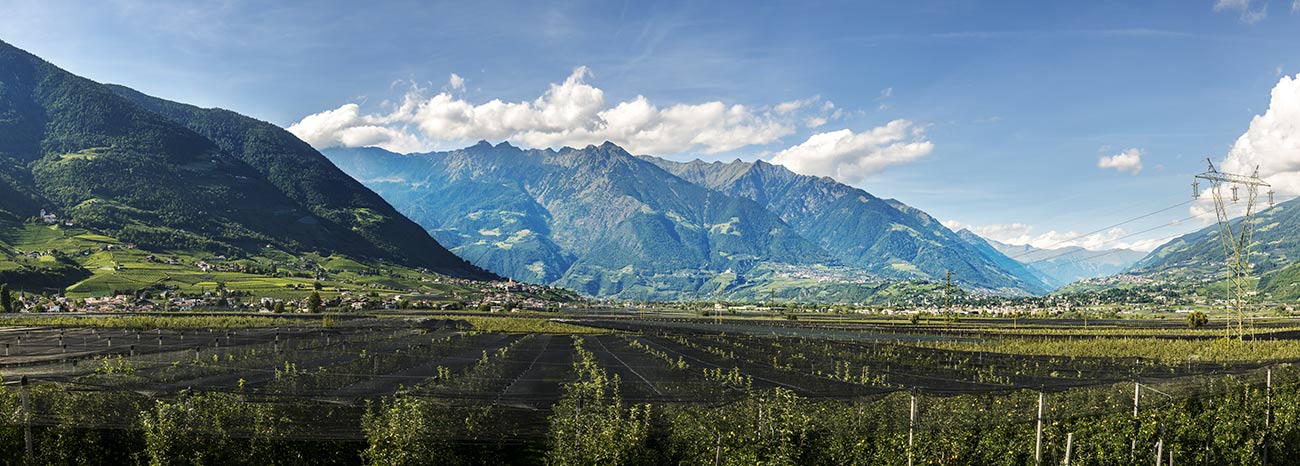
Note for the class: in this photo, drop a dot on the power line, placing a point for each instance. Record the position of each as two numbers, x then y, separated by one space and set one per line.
1125 237
1099 230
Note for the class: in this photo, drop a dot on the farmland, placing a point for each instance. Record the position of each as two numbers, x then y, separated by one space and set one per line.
637 389
75 263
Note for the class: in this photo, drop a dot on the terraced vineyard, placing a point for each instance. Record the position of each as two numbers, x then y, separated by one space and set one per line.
489 389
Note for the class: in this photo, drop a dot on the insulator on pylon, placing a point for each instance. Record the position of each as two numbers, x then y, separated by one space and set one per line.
1234 194
1196 190
1270 198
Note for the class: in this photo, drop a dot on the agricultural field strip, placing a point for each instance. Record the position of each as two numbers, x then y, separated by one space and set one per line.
538 389
678 381
383 384
912 378
144 349
900 331
681 352
546 344
491 358
631 369
245 365
404 351
46 338
1099 374
711 328
747 348
263 373
741 359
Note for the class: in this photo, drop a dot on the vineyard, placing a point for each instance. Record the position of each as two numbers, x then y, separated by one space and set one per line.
625 389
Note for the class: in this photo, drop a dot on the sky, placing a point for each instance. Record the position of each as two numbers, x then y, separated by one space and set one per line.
1026 121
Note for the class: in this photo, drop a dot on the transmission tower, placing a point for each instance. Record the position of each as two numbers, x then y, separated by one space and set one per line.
1236 245
947 292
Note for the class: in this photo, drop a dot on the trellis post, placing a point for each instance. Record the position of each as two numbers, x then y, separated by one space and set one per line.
27 420
911 432
1136 393
1069 446
1268 411
1038 438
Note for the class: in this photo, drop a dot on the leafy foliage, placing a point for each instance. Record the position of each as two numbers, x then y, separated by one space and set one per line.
591 425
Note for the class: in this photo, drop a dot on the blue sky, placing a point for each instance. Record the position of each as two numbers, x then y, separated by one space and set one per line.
1001 111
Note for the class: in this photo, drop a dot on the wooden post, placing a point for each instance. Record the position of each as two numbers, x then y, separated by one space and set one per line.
1038 439
1160 451
911 432
1069 446
27 420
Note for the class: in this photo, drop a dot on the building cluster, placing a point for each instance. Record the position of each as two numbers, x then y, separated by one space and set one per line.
51 218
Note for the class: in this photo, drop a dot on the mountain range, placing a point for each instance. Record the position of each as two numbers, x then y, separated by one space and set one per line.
604 222
168 176
1064 265
1273 254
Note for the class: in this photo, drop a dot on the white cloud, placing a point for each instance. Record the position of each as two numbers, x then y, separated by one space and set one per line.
1021 234
850 157
886 93
1129 161
456 82
1244 10
1272 142
1295 6
346 126
570 113
793 105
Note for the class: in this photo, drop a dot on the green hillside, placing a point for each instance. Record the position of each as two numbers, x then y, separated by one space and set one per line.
1276 245
174 179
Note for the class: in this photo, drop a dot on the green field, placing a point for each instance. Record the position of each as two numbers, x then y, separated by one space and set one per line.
78 264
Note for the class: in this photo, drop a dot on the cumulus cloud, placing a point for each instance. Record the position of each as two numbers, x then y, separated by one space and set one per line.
1272 144
569 113
1272 141
1022 234
346 126
1243 8
850 157
1129 161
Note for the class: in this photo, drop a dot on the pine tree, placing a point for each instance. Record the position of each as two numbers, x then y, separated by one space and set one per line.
314 303
6 298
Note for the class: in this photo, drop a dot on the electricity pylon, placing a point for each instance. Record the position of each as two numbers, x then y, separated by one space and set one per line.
1236 245
947 291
